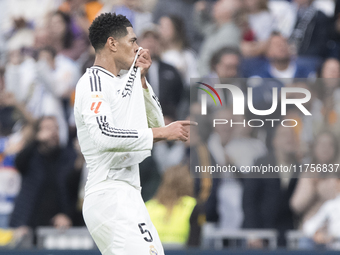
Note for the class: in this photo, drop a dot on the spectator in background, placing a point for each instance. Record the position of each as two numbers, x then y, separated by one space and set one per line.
59 75
33 84
323 227
13 114
175 47
31 13
225 68
82 13
170 210
328 92
335 32
224 209
266 200
262 24
241 20
198 154
313 190
41 38
63 39
165 79
280 64
15 131
225 64
308 126
244 148
20 74
219 32
45 167
15 124
311 31
284 13
221 137
133 10
183 9
21 79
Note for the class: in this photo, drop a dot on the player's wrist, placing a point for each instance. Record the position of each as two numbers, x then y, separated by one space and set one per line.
144 85
159 133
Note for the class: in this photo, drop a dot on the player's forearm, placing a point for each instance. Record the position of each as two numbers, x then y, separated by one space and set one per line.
154 115
153 108
144 82
108 138
159 134
141 143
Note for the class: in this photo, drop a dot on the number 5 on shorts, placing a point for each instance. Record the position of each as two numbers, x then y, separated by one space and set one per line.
143 231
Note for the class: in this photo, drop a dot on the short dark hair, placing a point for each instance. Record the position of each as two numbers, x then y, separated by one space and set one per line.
217 56
106 25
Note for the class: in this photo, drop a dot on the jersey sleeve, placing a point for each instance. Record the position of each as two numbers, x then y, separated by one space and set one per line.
153 108
97 117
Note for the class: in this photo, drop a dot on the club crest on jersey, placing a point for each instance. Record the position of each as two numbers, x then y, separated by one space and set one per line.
128 87
153 250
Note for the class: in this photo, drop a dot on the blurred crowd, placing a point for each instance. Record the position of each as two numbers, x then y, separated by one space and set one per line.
44 50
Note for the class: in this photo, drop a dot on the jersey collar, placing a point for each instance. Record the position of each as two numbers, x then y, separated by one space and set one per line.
102 69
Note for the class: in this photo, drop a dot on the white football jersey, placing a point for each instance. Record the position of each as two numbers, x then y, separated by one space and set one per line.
114 117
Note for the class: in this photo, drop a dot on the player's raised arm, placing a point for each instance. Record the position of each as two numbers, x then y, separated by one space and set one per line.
152 105
144 62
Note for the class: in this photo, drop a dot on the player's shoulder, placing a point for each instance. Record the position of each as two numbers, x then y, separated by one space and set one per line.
95 79
102 72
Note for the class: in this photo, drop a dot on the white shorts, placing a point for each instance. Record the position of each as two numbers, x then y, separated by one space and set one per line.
119 222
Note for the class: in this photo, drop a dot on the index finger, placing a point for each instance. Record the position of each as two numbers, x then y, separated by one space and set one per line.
188 122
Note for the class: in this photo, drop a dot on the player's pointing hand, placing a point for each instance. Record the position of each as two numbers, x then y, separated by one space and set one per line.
178 130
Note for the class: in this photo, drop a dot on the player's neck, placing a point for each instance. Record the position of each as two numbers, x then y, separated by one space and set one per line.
107 63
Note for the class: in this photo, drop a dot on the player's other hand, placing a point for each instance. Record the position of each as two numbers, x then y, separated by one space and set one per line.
143 61
175 131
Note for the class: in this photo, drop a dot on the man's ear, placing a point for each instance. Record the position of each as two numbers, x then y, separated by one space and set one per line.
112 43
